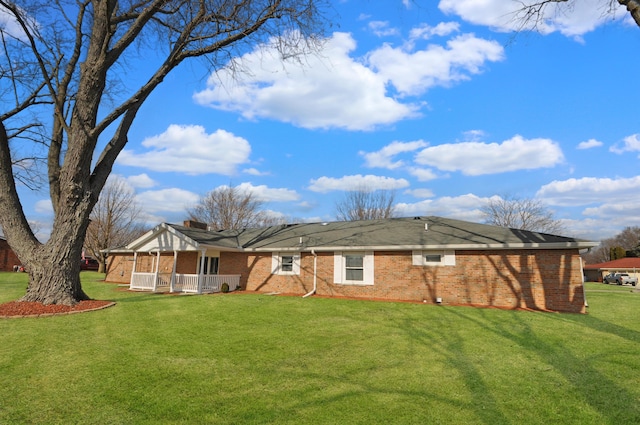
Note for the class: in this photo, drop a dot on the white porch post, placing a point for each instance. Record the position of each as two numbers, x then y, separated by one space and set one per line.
155 277
201 275
173 271
133 269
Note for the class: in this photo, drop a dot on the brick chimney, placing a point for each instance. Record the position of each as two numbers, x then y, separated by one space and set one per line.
195 224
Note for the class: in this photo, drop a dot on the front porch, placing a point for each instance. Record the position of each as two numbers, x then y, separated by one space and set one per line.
183 282
185 271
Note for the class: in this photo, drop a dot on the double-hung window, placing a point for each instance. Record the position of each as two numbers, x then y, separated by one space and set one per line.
353 268
285 263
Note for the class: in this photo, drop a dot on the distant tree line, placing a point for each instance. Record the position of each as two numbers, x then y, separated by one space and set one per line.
624 244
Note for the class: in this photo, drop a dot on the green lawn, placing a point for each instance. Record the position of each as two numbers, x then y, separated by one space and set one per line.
259 359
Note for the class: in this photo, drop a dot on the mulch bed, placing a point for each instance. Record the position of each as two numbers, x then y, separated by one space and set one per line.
33 309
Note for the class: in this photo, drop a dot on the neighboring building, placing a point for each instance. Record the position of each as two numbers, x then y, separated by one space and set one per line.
595 272
424 259
8 258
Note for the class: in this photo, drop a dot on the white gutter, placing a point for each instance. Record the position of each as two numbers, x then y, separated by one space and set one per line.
315 276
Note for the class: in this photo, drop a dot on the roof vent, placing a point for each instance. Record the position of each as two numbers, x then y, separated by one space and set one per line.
426 226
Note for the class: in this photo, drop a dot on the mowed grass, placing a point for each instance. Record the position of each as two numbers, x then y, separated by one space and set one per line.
257 359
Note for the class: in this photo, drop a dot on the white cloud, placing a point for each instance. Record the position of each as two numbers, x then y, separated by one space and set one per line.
334 90
166 200
464 207
567 18
255 172
44 207
423 174
356 182
420 193
142 181
382 29
384 157
590 190
476 158
267 194
426 31
330 90
588 144
190 150
629 144
413 73
11 27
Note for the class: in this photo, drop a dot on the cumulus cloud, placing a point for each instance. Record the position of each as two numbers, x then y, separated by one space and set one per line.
142 181
384 158
191 150
336 90
425 31
331 90
356 182
382 29
266 194
589 144
420 193
415 72
476 158
590 190
464 207
44 207
506 16
423 174
255 172
629 144
166 200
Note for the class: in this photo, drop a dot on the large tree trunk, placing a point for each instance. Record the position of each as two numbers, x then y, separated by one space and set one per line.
55 281
54 267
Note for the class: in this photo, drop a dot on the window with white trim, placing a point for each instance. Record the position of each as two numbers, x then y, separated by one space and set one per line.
285 263
353 268
434 258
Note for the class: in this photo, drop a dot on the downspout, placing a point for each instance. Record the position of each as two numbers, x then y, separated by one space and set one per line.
584 292
315 276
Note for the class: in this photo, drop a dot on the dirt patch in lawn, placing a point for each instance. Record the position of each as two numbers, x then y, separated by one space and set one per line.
32 309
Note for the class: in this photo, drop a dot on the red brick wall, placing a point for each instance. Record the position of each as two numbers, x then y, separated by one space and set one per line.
8 258
546 280
536 279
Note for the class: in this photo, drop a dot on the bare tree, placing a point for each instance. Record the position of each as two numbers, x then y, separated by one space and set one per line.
522 214
365 204
229 207
532 14
114 220
628 239
60 64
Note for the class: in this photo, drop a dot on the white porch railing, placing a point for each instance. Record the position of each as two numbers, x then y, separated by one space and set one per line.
184 282
214 282
142 281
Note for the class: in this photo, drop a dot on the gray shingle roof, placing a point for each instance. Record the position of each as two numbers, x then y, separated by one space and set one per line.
395 233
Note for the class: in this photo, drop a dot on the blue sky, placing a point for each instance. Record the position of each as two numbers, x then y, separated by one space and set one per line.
445 105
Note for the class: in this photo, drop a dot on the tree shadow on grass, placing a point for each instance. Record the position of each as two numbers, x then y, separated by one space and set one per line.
595 388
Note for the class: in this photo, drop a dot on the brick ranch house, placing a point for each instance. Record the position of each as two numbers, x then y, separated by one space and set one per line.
424 259
596 272
8 258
